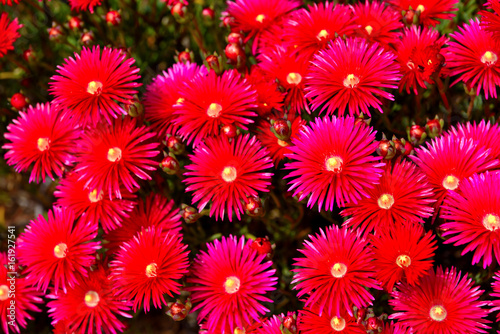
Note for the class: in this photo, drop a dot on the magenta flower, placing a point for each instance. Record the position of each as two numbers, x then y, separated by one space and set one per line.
8 33
310 321
485 135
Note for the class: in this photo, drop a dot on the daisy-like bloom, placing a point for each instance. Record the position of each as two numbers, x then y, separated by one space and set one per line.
9 2
156 211
91 306
42 138
443 302
18 292
490 22
148 266
420 56
92 85
212 101
81 5
269 97
473 217
230 281
226 172
496 293
429 11
403 194
332 161
8 33
58 249
311 29
377 23
164 93
474 57
278 148
334 271
285 66
255 16
311 322
92 206
114 156
351 74
402 252
485 135
447 161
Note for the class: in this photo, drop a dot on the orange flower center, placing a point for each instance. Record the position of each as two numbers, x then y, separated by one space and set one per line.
491 222
229 174
94 88
334 164
179 101
386 201
114 154
282 143
260 18
369 29
94 197
214 110
293 78
351 81
339 270
232 284
403 261
438 313
323 35
43 144
489 58
337 323
151 270
61 250
451 182
92 299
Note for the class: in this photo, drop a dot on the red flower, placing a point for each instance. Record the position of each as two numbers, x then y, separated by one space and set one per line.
9 2
212 101
164 93
91 206
402 252
496 293
90 306
351 74
473 217
420 57
377 23
226 173
89 5
8 33
15 291
147 267
334 271
310 30
332 162
428 11
403 194
485 135
42 138
92 85
269 97
156 211
229 284
58 249
310 321
114 156
474 57
443 302
490 22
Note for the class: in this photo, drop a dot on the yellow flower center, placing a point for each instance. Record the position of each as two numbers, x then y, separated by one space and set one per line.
114 154
438 313
334 164
179 101
151 270
386 201
339 270
214 110
238 330
491 222
229 174
92 299
93 197
337 323
94 88
489 58
4 292
420 8
260 18
369 29
43 144
61 250
232 284
322 35
293 78
403 261
282 143
451 182
351 81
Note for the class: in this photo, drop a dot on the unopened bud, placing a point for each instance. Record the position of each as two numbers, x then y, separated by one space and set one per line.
179 310
19 101
282 129
113 17
134 107
374 324
179 12
362 118
190 214
75 23
434 127
290 323
385 149
235 38
170 165
55 32
235 55
175 144
214 62
227 21
208 14
184 57
253 207
230 130
263 247
87 37
29 55
416 134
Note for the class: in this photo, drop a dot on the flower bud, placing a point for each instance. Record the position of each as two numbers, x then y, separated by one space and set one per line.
175 144
208 14
434 127
386 149
55 32
178 310
360 315
113 17
179 12
409 16
235 38
282 128
227 21
253 207
184 57
19 101
398 145
134 107
230 130
235 55
290 323
75 23
190 214
214 62
170 165
374 324
362 118
416 134
87 37
408 148
263 247
29 55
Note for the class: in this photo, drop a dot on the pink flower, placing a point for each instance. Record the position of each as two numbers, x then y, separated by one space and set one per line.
8 32
485 135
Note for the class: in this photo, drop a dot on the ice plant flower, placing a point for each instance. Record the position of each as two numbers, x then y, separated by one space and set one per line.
269 97
402 252
490 22
310 321
254 16
474 57
91 306
82 5
334 271
23 297
473 217
447 161
496 294
114 156
226 172
376 22
230 281
429 11
8 33
156 211
311 29
443 302
42 138
9 2
93 84
420 56
485 135
92 206
351 74
403 194
57 249
164 93
332 162
147 267
212 101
